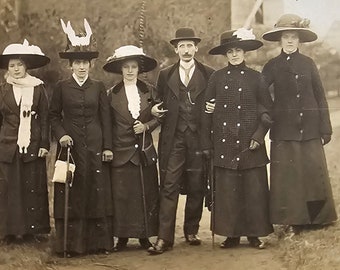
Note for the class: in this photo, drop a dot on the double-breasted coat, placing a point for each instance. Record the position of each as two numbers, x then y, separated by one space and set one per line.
83 113
23 180
125 168
241 188
300 187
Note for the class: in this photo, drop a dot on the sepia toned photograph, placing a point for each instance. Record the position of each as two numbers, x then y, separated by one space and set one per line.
169 135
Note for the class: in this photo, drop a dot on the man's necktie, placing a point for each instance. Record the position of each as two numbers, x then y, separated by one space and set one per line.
187 74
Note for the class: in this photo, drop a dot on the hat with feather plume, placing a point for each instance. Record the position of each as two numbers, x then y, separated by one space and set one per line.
81 45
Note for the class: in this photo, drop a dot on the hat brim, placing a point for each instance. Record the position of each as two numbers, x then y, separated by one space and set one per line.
176 40
145 63
32 61
305 35
246 45
78 55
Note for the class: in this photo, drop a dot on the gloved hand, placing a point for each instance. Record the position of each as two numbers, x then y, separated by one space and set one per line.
207 153
107 155
157 111
210 106
42 152
254 145
326 138
66 141
266 120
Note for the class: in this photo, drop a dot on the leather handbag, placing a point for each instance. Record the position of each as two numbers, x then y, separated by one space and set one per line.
148 153
60 169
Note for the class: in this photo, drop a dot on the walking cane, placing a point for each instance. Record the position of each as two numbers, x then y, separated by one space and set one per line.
212 190
143 192
68 184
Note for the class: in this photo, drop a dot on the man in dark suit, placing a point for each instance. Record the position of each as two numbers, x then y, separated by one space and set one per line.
180 91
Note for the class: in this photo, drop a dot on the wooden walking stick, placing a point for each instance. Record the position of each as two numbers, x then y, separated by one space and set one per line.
68 184
212 191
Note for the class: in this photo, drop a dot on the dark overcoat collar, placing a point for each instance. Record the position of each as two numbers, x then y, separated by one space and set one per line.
198 80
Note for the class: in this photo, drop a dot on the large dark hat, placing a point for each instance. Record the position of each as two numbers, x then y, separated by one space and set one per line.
184 33
291 22
80 46
129 52
30 54
240 38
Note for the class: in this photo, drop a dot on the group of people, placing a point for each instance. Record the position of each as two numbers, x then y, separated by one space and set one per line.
217 116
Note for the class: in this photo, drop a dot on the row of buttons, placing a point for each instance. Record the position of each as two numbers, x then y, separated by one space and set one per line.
242 72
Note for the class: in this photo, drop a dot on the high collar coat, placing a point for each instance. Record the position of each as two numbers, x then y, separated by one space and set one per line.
167 90
239 93
10 120
300 109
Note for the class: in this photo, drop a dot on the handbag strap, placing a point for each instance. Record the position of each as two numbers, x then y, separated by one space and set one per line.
71 157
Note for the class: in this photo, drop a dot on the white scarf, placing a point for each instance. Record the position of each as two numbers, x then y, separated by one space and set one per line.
23 90
133 98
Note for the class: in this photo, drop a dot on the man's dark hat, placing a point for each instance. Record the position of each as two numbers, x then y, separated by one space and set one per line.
291 22
81 46
184 33
240 38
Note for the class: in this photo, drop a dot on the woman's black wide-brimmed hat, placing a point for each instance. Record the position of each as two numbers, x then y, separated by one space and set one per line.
80 46
184 33
30 54
240 38
291 22
129 52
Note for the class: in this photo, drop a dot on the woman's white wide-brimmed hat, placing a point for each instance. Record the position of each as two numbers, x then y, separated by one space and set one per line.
30 54
129 52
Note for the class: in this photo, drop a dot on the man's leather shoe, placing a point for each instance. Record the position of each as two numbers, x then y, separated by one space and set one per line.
193 239
159 247
230 242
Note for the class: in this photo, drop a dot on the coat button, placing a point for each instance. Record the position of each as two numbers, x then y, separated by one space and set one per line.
240 89
238 124
237 159
226 87
223 140
301 131
225 105
298 95
136 145
222 156
242 72
296 76
239 107
228 72
224 123
238 141
301 114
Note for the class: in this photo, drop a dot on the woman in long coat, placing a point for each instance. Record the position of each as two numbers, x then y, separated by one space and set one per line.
134 185
300 187
24 144
80 119
241 206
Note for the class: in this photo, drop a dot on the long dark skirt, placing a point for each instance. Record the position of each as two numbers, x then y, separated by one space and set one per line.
242 202
128 207
89 227
300 190
23 197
